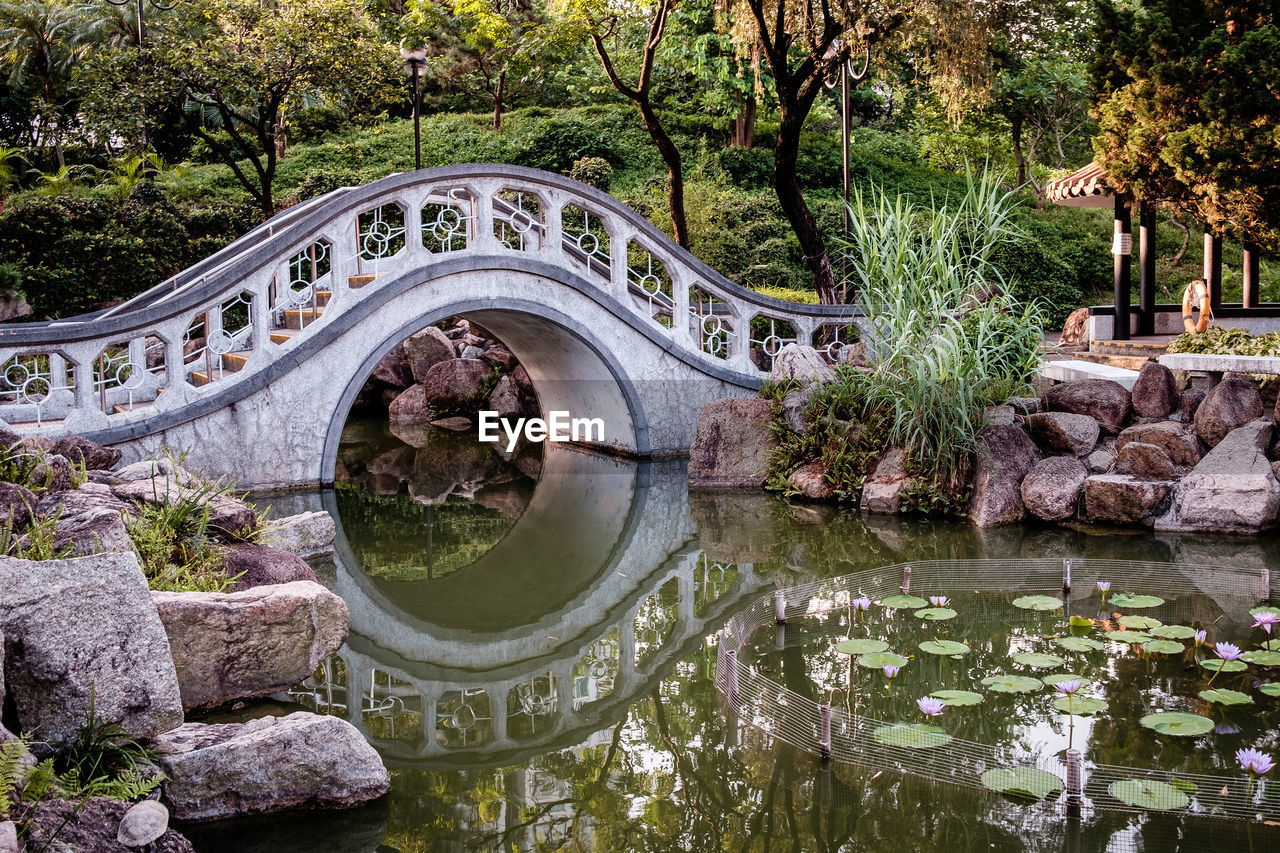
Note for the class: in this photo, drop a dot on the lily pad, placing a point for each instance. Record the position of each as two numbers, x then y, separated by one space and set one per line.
957 698
1038 660
1136 602
879 660
1226 697
1139 623
1272 689
1130 637
1079 644
1173 632
1038 602
1012 683
1149 794
1059 677
936 614
911 735
861 646
1080 622
1264 608
1083 705
1178 723
1163 647
1028 782
1219 665
1262 658
904 602
943 647
1272 645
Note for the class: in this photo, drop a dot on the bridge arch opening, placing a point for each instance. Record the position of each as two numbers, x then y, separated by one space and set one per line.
570 369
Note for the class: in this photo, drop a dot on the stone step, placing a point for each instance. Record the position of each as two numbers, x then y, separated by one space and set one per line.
282 336
298 319
1127 362
124 408
1143 348
1071 370
358 281
233 361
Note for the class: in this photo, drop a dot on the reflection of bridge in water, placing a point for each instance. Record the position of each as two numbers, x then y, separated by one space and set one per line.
550 666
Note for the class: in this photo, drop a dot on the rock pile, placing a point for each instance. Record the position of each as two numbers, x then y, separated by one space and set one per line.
451 372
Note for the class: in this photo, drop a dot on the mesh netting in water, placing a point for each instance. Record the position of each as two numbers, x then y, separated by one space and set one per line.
850 737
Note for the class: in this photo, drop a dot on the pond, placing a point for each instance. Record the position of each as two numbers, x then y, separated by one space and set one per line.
533 652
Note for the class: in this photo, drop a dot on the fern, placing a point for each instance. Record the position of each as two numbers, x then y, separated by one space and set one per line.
13 770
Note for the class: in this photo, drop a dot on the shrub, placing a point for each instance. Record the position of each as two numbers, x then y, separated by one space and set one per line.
1034 274
175 545
594 171
555 144
317 121
749 168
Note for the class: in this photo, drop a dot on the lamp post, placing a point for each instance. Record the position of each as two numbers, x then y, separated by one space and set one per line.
142 27
413 62
847 72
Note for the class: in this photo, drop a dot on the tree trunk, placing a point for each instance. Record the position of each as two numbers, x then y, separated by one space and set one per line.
744 125
675 171
1186 238
1020 178
787 187
497 101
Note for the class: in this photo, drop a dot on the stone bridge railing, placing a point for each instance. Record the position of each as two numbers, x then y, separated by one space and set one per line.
272 295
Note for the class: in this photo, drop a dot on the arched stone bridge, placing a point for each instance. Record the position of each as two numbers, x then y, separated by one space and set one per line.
250 360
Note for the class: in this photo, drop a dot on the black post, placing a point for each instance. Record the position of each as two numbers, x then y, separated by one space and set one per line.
844 172
417 113
1121 248
1146 269
1252 287
1213 269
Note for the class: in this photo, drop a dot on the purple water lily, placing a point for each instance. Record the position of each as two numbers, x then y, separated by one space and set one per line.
930 706
1200 635
1104 587
1265 620
1255 761
891 671
938 600
860 603
1227 651
1068 688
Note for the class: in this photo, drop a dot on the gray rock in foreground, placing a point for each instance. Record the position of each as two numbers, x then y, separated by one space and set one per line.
1231 403
91 826
1233 489
304 534
261 565
1051 490
81 626
1063 432
249 644
1005 455
268 765
1124 499
795 362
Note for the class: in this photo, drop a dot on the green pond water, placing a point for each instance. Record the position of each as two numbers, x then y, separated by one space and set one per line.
533 653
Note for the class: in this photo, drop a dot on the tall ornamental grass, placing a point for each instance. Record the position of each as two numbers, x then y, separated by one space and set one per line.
945 338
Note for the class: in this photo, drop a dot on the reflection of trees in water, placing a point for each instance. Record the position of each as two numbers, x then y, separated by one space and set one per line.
422 510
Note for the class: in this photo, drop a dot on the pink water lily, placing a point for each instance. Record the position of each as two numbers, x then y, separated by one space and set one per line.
1265 620
1255 761
931 707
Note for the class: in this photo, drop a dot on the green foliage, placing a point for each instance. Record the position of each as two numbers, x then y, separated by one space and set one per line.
1035 275
1219 341
36 542
103 760
317 121
557 143
175 544
595 171
749 168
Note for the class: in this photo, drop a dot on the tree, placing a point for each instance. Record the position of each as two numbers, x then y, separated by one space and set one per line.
486 47
1045 99
605 24
239 64
40 42
1188 105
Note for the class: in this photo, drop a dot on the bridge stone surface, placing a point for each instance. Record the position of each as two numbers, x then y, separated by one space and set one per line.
249 361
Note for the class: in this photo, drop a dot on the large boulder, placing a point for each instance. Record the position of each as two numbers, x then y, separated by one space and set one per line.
268 765
84 631
1178 442
394 368
1105 401
1231 403
882 492
89 825
425 350
1051 489
249 644
82 451
1073 328
810 482
1124 499
1155 393
796 363
732 445
1190 404
410 407
456 385
1145 461
90 520
261 565
1233 489
304 534
1063 432
794 406
1005 455
505 399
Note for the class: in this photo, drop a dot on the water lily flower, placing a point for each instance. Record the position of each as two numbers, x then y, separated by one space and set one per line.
1226 729
860 603
1254 760
891 671
1227 651
1104 587
930 706
1068 688
1200 635
938 600
1265 619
